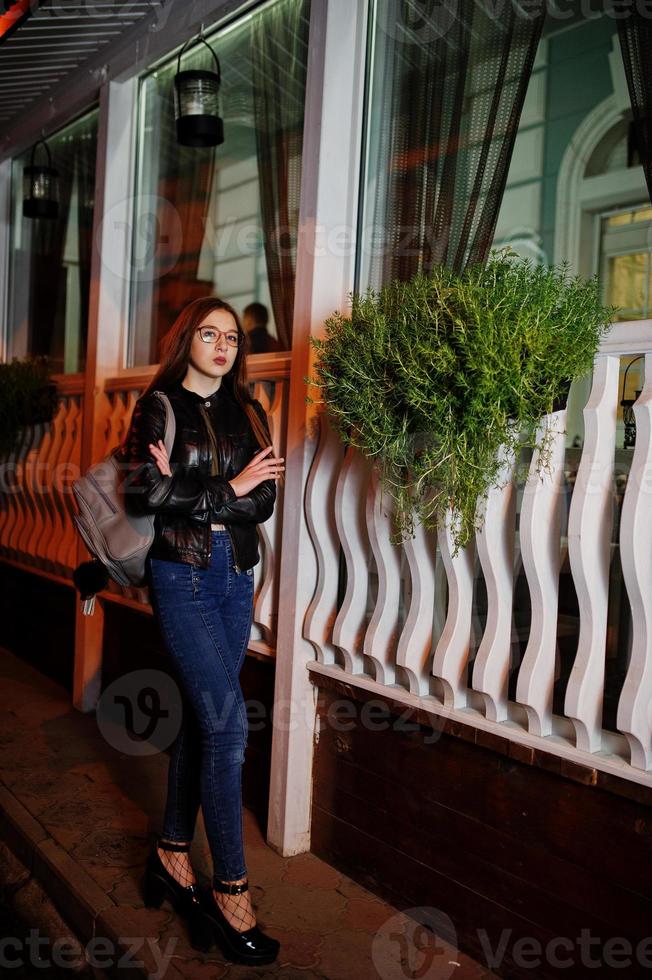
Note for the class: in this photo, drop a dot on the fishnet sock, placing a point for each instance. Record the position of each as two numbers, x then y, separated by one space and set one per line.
237 909
178 864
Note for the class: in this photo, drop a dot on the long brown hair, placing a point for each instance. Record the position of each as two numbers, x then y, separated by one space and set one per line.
175 353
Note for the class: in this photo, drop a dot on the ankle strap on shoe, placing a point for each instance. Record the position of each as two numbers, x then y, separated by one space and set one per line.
167 846
223 886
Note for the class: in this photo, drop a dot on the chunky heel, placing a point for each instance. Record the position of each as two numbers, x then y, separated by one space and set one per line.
154 891
252 947
201 936
158 884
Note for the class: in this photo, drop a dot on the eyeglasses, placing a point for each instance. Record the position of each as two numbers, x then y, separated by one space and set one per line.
209 335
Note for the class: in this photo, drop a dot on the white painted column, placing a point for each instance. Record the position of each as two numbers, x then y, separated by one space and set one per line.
324 276
107 329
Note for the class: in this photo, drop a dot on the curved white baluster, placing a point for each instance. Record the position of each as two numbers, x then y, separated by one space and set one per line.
118 412
495 544
415 643
69 558
17 512
380 638
634 717
350 625
33 545
540 528
589 544
320 519
62 481
28 502
55 503
452 653
114 422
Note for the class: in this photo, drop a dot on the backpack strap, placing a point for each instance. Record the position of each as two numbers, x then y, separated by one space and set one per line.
170 422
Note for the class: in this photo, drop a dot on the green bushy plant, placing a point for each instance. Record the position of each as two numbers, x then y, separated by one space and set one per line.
434 377
27 397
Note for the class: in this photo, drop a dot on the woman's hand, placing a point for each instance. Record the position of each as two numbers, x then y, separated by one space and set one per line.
257 469
160 454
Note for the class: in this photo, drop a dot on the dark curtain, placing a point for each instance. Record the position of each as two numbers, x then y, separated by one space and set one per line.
48 276
635 32
73 155
279 52
456 89
85 165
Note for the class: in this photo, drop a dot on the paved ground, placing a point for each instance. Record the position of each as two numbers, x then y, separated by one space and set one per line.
77 816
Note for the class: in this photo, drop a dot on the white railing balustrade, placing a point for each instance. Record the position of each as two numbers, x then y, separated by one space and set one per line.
37 504
483 681
36 508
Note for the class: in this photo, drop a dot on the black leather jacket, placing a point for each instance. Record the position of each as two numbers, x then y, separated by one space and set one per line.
189 501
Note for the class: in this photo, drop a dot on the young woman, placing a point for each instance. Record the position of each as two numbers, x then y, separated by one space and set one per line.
208 497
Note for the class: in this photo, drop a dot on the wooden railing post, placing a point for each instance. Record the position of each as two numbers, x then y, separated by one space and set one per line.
107 328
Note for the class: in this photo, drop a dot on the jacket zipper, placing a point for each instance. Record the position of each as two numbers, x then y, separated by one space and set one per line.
208 545
234 549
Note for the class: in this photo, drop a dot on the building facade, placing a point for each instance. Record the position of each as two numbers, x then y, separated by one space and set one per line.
512 683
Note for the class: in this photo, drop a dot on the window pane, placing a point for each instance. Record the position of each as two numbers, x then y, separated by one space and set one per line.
223 220
50 261
627 284
625 263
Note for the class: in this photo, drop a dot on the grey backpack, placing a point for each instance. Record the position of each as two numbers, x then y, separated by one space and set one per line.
116 538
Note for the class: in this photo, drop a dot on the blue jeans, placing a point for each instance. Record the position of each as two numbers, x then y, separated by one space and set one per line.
205 617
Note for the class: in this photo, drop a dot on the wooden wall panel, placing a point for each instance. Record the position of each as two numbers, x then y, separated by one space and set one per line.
490 840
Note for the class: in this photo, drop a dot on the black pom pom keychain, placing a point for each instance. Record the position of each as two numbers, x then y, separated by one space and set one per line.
90 578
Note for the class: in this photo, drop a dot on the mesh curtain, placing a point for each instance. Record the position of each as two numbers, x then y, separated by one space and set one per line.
635 33
279 54
451 103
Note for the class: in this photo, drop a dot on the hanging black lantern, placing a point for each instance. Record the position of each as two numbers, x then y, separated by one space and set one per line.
40 187
627 405
196 104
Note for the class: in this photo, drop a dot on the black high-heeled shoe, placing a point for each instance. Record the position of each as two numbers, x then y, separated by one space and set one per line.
251 946
159 884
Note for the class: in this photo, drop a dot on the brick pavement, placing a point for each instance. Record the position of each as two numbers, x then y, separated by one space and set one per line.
80 816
